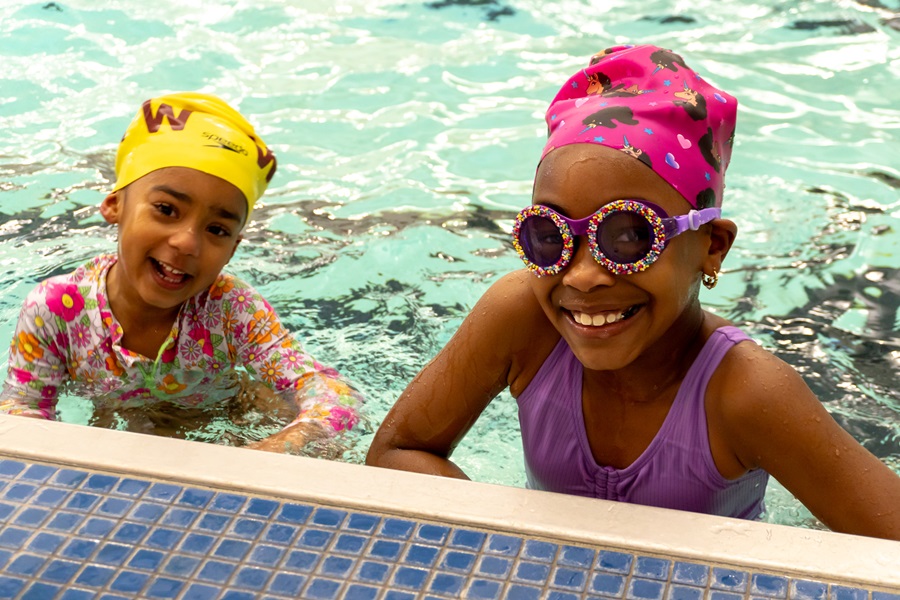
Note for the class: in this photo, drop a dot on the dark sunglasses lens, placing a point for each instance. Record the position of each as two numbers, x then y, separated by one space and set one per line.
541 240
625 237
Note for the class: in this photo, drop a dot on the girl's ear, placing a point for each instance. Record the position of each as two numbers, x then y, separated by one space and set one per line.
721 236
111 207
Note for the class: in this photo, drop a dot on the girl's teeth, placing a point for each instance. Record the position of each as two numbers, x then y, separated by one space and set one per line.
597 320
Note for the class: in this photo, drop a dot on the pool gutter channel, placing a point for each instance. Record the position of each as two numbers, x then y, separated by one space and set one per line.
792 551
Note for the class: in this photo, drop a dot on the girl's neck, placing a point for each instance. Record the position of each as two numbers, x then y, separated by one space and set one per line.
144 327
662 367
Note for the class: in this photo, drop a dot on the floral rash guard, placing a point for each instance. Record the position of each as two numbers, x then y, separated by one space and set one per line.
67 335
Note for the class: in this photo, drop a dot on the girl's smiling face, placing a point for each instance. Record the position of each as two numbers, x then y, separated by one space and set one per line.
609 321
178 228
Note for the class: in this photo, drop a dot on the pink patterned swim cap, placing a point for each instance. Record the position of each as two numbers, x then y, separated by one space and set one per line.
645 101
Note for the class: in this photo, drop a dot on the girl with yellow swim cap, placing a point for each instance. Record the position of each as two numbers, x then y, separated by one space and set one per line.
158 324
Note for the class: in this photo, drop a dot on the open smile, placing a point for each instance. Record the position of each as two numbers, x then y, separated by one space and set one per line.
169 275
603 318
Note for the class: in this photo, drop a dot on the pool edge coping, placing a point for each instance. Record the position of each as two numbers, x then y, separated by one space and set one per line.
791 551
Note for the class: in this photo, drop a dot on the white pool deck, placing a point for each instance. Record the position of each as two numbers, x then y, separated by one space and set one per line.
791 551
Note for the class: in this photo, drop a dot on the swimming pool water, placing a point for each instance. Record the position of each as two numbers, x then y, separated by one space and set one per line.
407 134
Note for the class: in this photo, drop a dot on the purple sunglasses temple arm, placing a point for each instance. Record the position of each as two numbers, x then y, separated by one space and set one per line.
693 220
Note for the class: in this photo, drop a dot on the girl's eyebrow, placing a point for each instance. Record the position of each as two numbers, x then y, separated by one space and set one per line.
181 196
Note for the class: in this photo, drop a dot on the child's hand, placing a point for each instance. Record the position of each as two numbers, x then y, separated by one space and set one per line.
291 440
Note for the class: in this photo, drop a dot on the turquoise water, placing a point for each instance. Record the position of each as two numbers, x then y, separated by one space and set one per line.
407 135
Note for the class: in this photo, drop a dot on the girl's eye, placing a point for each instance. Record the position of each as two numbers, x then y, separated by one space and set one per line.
165 209
219 231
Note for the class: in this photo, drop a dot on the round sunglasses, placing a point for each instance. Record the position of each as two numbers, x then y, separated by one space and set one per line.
625 236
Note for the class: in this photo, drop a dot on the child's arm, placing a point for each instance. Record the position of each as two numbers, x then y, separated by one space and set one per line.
773 421
37 363
325 401
444 400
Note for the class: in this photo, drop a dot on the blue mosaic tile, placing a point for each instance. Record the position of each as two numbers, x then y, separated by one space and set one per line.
40 591
96 527
572 579
130 533
131 487
267 556
372 572
523 592
336 566
112 554
769 586
31 517
233 549
409 577
458 561
115 507
259 507
494 566
607 584
20 491
447 584
252 578
100 483
6 510
146 559
397 595
386 550
576 556
464 538
246 528
361 592
718 595
40 473
538 550
729 579
280 534
80 549
322 589
802 589
652 568
165 539
14 538
328 517
349 544
301 561
397 528
294 513
163 588
885 596
51 497
61 570
148 511
179 517
46 542
181 566
11 468
228 503
420 555
483 589
129 582
616 562
531 572
840 592
505 545
195 498
683 592
645 589
94 576
216 571
196 543
363 523
76 594
557 595
690 573
10 586
287 584
198 591
165 492
25 564
434 534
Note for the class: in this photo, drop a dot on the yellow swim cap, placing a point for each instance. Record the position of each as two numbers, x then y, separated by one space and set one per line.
199 131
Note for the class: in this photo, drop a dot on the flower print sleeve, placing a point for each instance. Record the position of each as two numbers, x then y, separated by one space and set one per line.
37 354
270 353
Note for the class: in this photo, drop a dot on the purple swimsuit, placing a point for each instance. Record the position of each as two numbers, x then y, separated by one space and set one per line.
675 471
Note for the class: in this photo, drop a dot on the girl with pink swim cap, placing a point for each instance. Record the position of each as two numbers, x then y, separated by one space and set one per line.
627 389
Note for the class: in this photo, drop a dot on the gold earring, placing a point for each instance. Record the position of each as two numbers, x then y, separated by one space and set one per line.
710 281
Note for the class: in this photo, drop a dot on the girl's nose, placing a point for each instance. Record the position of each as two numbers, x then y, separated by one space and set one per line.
584 273
186 240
